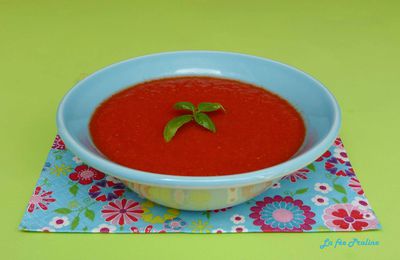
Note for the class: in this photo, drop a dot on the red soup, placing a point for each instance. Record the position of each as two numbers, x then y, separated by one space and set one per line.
258 129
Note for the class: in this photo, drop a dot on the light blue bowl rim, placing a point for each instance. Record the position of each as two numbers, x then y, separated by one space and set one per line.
234 180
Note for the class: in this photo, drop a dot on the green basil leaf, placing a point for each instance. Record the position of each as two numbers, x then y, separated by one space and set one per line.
174 124
184 106
209 107
205 121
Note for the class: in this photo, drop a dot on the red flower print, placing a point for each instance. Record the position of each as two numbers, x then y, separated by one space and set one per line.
107 190
280 214
355 184
339 167
40 199
85 174
338 143
59 222
238 219
219 210
320 200
324 156
322 187
239 229
362 203
58 144
346 217
218 231
46 229
341 154
298 175
147 229
104 228
120 212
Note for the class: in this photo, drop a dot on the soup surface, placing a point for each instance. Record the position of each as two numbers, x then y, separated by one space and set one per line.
257 130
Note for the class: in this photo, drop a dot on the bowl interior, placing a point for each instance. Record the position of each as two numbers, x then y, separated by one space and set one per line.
317 106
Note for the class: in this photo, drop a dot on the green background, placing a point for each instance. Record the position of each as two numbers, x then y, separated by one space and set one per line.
47 46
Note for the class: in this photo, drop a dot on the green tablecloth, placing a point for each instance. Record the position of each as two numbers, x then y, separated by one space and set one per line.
47 46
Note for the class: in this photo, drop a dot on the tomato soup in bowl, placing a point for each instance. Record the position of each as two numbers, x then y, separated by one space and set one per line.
198 130
256 130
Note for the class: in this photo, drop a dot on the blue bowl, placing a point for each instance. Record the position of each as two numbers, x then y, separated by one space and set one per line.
316 104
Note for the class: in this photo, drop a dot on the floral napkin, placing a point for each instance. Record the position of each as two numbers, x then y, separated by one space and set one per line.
73 197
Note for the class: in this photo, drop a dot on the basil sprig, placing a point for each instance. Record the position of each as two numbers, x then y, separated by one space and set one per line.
197 115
